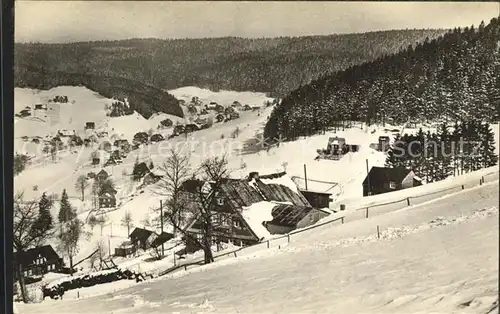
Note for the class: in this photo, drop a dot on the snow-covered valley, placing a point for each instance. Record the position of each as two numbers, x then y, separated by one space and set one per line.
336 267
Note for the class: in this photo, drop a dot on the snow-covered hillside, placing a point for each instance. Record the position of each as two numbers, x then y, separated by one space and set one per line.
224 98
438 257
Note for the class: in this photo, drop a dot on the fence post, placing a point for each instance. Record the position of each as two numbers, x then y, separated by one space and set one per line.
463 187
235 254
367 212
288 236
408 201
267 243
481 181
78 294
378 231
342 219
185 267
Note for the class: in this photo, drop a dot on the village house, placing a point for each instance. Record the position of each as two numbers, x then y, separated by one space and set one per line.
89 125
107 199
37 261
236 197
140 238
113 161
40 107
382 180
102 175
383 143
157 138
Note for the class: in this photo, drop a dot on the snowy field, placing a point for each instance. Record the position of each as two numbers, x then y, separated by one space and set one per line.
440 257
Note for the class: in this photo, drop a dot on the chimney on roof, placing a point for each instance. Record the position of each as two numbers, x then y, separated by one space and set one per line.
253 175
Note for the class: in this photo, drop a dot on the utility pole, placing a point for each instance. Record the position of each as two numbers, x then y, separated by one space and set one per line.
305 175
161 227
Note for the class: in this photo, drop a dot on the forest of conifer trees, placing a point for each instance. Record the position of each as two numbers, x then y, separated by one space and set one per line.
434 156
450 78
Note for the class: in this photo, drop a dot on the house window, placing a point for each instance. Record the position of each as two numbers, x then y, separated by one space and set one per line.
392 185
30 272
215 219
236 224
25 273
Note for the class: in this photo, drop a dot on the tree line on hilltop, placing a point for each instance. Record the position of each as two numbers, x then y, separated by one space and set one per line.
448 78
273 65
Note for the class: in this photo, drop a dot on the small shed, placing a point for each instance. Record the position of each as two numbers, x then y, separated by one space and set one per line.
382 180
317 199
125 249
290 217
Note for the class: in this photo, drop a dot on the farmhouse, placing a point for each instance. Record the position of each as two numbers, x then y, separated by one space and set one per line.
139 238
236 197
382 180
37 261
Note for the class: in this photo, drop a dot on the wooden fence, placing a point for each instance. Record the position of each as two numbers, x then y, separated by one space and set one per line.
407 201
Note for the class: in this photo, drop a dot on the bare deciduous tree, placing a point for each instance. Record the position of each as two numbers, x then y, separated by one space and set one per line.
200 204
27 232
69 238
81 184
127 221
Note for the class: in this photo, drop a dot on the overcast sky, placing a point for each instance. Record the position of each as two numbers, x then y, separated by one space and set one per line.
66 21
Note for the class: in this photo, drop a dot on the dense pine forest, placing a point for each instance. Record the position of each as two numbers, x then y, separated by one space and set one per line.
272 65
450 78
434 156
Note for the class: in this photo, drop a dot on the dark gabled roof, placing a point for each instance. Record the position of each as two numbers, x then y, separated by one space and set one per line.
289 215
30 255
240 193
281 193
102 172
161 238
382 174
273 175
140 233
